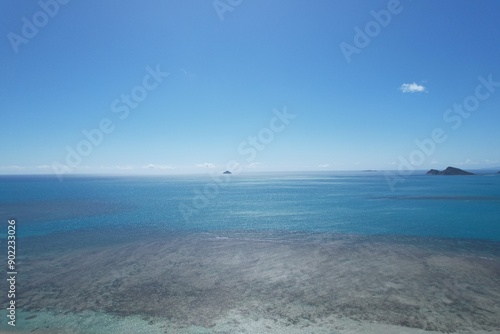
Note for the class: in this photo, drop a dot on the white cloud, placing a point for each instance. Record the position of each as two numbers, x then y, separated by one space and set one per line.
153 166
254 165
124 167
412 88
324 165
13 167
467 162
43 167
206 165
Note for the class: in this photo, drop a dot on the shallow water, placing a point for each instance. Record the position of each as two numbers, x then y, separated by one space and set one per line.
289 254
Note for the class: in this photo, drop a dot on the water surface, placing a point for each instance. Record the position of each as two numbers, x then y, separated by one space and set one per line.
277 253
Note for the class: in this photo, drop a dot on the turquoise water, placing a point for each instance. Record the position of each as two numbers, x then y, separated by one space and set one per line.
358 203
335 253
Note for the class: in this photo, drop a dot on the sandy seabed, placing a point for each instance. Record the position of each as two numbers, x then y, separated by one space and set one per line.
256 283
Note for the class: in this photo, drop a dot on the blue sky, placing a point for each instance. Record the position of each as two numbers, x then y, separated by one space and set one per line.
229 78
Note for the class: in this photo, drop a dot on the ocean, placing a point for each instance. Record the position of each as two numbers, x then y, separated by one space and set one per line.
329 252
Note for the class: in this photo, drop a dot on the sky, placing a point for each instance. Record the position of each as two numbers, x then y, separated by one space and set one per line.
197 86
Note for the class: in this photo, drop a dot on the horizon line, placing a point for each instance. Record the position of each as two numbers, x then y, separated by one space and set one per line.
212 173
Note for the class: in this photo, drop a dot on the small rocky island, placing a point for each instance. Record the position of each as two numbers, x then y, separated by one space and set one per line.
227 172
449 171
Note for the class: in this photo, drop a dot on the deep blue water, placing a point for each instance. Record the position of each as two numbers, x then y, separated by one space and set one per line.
361 203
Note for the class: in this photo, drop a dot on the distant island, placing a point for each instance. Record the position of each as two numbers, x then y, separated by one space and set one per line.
449 171
227 172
